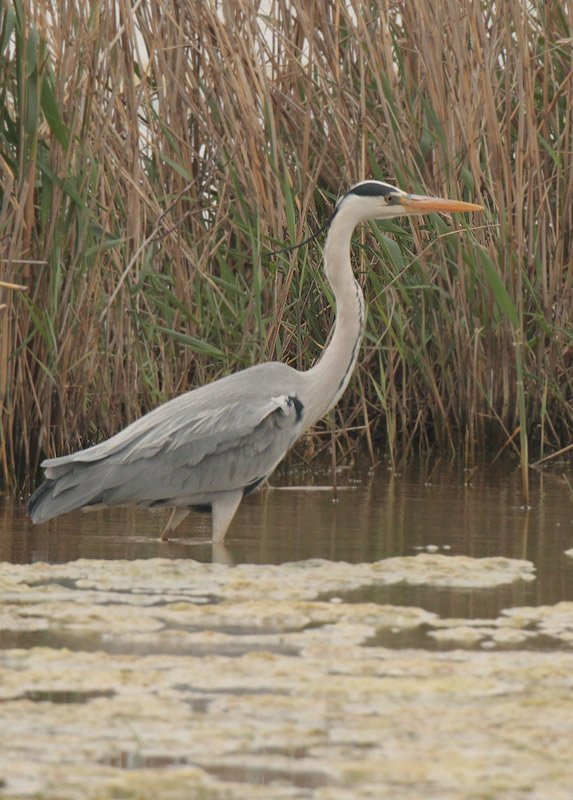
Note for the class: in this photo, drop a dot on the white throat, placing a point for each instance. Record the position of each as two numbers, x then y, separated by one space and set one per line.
329 377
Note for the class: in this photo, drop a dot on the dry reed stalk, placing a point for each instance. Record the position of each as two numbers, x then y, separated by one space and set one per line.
151 155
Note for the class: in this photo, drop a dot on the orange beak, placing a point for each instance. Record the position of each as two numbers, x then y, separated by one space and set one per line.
420 204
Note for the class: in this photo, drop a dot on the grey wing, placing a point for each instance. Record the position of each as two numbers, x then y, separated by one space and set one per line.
184 452
193 465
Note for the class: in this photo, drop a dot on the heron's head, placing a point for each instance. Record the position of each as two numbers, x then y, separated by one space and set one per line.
376 200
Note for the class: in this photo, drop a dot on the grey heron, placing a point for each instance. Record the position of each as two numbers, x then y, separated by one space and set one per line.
210 447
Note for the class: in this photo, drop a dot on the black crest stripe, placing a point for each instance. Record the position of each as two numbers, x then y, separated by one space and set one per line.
372 189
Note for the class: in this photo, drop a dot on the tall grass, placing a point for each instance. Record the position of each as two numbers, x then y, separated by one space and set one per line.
152 153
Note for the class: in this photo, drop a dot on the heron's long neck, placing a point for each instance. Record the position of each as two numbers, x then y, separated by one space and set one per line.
330 375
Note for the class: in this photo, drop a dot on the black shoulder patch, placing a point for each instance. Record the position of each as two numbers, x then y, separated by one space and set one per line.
298 407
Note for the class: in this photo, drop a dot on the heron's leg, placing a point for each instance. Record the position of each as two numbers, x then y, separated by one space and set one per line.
224 508
177 515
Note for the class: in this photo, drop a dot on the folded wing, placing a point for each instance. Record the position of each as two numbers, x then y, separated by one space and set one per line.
225 436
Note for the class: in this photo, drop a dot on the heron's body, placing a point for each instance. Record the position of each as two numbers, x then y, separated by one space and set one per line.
206 449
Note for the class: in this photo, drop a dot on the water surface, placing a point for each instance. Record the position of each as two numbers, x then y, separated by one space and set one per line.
431 504
172 678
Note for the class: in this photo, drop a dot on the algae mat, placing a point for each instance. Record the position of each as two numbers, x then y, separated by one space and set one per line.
174 679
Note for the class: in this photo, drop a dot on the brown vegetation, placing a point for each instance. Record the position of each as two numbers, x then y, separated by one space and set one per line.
150 155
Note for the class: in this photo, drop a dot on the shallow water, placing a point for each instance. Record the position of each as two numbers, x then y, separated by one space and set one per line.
432 505
141 672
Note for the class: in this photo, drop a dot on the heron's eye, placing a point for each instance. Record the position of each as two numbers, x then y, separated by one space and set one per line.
392 199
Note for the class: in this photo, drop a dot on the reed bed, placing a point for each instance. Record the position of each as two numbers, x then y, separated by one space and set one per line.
152 154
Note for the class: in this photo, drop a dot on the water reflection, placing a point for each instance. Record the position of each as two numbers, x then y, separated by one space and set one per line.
378 514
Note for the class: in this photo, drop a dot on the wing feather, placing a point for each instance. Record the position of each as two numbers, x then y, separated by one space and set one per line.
226 435
231 407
